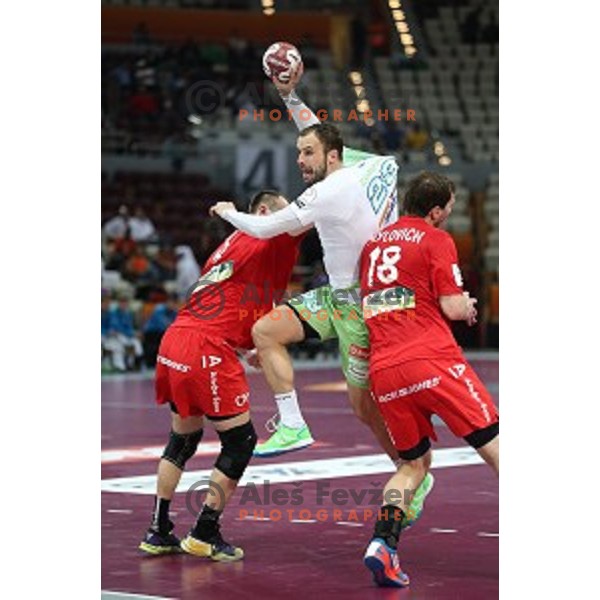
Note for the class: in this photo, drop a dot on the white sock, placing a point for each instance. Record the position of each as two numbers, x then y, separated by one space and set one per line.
289 411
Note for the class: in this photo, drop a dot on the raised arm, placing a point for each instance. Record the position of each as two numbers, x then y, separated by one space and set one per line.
302 115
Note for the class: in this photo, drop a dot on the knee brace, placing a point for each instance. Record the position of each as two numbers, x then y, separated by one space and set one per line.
181 447
237 445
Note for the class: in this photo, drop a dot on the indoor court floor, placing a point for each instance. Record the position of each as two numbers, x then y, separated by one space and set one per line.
304 518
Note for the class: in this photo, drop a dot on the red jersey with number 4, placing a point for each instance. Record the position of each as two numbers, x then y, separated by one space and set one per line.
240 282
404 270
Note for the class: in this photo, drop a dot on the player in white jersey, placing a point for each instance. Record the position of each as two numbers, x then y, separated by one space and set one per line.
352 195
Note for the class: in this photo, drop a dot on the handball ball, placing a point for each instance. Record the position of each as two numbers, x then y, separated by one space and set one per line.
281 61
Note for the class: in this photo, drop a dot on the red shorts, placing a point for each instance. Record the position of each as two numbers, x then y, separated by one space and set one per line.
200 375
409 394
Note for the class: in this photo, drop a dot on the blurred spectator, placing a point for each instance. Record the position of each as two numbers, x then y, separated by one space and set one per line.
122 325
162 316
417 138
393 137
113 351
165 264
138 268
105 333
143 103
142 228
120 252
188 271
116 226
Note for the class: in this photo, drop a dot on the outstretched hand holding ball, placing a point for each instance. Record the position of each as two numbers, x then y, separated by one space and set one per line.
282 64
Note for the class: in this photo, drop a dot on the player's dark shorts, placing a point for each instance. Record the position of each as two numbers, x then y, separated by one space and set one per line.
200 375
410 393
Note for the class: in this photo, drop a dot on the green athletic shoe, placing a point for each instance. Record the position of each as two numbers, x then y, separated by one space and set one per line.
285 439
416 506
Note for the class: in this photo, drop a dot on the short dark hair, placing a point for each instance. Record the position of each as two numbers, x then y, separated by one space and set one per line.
426 191
266 196
329 135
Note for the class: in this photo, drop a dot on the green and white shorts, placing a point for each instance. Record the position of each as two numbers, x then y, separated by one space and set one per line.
326 313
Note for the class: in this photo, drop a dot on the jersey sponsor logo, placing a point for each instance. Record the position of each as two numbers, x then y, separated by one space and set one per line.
241 399
359 352
312 300
218 273
426 384
388 299
163 360
210 361
457 370
482 405
358 369
214 389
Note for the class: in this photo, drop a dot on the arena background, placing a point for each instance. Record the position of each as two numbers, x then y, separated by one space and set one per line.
177 78
186 122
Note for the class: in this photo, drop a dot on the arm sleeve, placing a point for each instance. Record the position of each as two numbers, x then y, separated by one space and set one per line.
267 226
445 274
296 106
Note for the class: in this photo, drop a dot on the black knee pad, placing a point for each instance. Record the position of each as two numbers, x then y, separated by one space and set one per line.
181 447
237 445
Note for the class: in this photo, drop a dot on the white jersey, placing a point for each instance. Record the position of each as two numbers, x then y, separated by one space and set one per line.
347 208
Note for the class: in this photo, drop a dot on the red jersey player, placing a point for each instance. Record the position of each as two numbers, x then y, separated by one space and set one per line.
411 287
198 374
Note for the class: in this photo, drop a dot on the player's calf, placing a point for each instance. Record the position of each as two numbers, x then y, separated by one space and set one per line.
205 539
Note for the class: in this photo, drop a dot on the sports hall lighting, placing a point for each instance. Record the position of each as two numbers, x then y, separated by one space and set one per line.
363 105
356 77
403 28
268 7
362 102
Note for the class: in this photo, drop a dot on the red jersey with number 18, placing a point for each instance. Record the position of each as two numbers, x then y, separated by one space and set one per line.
404 270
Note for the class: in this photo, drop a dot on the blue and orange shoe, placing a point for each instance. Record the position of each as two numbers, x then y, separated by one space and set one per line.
382 561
